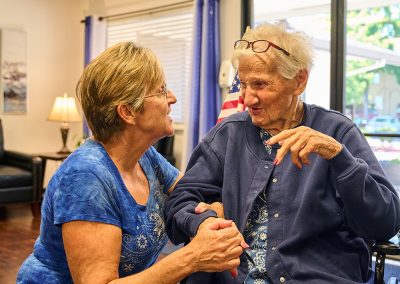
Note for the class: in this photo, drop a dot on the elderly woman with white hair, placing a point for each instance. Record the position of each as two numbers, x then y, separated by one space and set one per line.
300 181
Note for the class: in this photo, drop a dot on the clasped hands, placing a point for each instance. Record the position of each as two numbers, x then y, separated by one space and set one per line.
218 242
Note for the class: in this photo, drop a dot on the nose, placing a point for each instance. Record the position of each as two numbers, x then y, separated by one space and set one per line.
249 96
171 99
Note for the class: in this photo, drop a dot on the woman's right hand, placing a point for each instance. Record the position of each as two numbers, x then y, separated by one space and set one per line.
216 246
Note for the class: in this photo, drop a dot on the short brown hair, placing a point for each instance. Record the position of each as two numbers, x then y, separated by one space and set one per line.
122 74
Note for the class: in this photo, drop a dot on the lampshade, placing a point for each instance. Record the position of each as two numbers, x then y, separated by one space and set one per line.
65 110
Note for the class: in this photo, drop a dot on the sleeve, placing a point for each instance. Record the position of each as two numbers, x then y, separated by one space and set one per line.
202 182
164 171
371 204
87 195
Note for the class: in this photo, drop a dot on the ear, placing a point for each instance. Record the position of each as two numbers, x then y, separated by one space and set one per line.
301 81
126 114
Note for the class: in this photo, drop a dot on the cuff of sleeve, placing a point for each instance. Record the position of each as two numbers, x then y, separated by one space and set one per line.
343 163
194 220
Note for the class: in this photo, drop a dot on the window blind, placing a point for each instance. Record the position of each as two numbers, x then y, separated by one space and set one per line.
169 35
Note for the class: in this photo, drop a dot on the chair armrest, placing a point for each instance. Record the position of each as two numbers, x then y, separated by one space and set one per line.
382 248
386 248
20 160
30 163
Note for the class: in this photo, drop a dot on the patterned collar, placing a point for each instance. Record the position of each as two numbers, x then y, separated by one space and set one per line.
265 135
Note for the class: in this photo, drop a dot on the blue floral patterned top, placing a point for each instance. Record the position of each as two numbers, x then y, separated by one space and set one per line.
257 228
88 186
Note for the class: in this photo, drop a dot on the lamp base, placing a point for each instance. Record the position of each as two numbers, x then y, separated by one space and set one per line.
64 135
64 151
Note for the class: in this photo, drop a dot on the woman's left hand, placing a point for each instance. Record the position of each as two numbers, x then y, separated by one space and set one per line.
301 142
215 206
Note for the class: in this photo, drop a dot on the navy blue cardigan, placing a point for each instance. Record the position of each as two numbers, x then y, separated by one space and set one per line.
320 216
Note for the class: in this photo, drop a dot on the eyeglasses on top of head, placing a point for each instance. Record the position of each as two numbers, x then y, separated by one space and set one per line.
162 93
258 46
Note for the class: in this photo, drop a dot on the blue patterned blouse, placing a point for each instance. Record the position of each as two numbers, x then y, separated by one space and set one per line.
256 229
88 186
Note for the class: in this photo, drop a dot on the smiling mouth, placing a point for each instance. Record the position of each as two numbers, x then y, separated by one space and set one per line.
255 109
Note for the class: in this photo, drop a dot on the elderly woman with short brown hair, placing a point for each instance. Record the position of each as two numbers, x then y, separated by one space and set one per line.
102 214
300 181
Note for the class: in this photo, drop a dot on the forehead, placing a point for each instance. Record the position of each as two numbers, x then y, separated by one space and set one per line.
255 65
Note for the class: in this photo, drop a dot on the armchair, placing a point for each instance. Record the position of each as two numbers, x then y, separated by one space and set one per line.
20 177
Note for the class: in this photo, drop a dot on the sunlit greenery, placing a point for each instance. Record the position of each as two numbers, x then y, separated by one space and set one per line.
373 26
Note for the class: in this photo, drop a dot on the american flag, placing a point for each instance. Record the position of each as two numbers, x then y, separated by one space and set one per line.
233 101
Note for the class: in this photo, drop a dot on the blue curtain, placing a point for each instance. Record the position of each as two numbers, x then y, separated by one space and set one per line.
95 43
205 102
87 58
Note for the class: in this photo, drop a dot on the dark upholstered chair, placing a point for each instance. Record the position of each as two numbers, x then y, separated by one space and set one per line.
165 146
20 177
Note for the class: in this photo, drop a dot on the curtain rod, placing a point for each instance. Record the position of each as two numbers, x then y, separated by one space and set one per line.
147 11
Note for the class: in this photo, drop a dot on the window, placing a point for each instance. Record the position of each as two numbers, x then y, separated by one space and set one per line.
169 35
372 97
302 16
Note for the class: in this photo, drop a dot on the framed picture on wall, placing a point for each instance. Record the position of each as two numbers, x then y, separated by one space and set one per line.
13 51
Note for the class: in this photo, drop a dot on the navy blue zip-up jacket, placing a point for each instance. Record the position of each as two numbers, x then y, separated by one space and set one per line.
320 216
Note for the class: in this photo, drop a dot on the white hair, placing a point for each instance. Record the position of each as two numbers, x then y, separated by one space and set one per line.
298 44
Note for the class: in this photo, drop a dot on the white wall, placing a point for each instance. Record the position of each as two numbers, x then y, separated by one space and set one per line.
54 63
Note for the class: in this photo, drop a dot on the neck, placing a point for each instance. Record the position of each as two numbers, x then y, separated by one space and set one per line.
126 149
294 118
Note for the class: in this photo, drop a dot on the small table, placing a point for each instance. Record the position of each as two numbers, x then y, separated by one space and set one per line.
50 156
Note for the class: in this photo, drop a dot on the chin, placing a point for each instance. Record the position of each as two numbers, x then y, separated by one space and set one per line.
170 130
256 122
170 133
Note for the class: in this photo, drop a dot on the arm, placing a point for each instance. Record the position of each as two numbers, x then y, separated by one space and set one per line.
371 205
202 182
93 251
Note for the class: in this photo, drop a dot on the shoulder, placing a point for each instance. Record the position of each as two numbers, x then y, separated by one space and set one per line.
88 163
230 125
317 112
155 159
327 121
91 156
165 173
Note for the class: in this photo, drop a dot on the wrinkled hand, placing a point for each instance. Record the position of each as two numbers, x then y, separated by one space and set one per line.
218 246
215 206
301 142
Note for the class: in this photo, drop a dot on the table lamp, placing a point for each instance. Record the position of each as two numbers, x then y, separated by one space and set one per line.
64 110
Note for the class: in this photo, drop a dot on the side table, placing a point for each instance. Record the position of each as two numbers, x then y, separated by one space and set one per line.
50 156
46 156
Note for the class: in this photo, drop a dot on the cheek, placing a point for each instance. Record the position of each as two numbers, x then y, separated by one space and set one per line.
271 101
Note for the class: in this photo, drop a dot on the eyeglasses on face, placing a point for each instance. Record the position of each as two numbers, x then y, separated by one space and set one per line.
258 46
162 93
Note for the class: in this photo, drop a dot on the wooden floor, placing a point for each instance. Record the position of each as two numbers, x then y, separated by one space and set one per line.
18 232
